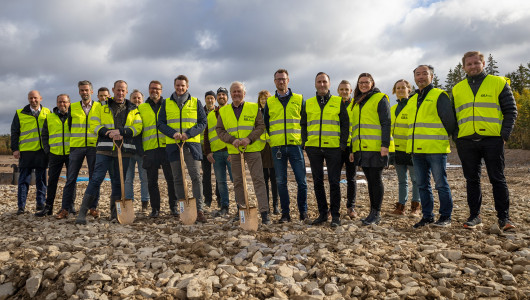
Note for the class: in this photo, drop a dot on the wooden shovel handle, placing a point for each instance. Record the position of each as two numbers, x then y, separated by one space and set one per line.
183 169
120 164
244 175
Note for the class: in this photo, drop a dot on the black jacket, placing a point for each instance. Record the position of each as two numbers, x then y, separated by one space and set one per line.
28 159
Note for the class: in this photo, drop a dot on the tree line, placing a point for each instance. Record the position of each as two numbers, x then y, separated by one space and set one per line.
520 83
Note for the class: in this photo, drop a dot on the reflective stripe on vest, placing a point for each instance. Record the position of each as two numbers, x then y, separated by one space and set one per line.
151 137
426 133
480 113
284 123
30 130
400 128
182 120
323 127
59 135
366 127
133 122
81 134
215 143
242 127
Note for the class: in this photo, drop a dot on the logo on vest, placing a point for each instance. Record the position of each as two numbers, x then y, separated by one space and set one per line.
248 118
486 96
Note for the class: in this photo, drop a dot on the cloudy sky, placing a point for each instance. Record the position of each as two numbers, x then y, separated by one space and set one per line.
51 45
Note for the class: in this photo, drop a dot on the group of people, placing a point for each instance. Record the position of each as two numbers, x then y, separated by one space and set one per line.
356 128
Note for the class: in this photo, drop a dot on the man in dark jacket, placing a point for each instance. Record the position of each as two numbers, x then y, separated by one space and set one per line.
486 111
182 119
56 142
26 144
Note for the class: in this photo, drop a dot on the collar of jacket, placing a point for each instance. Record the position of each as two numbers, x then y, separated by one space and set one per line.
130 106
27 109
424 92
477 78
325 97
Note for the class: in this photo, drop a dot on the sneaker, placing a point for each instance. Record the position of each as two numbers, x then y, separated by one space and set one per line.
443 221
506 225
321 219
94 213
335 222
399 210
352 214
63 213
423 222
285 218
473 222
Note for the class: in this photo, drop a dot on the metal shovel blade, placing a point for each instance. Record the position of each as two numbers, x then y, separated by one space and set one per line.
188 210
125 211
248 218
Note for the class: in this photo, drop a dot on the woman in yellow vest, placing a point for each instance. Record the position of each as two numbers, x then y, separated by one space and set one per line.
266 159
370 120
398 154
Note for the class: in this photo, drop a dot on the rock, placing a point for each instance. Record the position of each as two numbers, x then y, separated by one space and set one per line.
452 255
508 279
484 290
7 289
284 271
357 291
310 286
33 284
434 293
279 294
330 288
494 229
4 256
441 258
69 288
199 288
51 296
294 289
127 291
99 277
518 269
147 292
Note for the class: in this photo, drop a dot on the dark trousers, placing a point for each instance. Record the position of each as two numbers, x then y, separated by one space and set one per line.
376 189
153 159
333 158
207 183
24 180
351 190
471 154
55 163
77 156
270 175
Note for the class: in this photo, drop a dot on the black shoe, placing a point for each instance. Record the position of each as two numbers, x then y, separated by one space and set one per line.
222 212
275 211
473 222
285 218
173 211
321 219
443 221
154 214
370 215
72 211
373 218
47 211
39 207
423 222
303 216
335 222
20 211
236 217
145 205
265 218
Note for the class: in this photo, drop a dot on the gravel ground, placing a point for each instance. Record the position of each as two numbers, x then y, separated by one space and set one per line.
44 258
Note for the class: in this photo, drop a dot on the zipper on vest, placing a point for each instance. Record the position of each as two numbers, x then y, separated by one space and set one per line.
38 129
284 124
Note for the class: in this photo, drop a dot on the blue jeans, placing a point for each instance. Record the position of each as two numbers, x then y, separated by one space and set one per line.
401 171
24 179
423 165
220 166
76 158
129 179
103 164
295 156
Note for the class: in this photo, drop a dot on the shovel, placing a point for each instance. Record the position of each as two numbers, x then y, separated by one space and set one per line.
187 206
248 216
124 207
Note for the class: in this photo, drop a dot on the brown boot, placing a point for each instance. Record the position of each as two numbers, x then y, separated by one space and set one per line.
415 209
399 210
201 217
352 213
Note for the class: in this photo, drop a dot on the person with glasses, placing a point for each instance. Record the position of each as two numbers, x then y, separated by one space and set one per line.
370 116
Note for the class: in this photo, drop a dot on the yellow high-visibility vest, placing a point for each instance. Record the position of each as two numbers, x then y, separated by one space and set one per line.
242 127
30 130
323 126
59 135
366 126
400 127
81 135
284 123
182 120
152 138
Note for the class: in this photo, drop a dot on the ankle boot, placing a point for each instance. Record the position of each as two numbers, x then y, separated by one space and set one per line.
87 202
374 218
369 215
